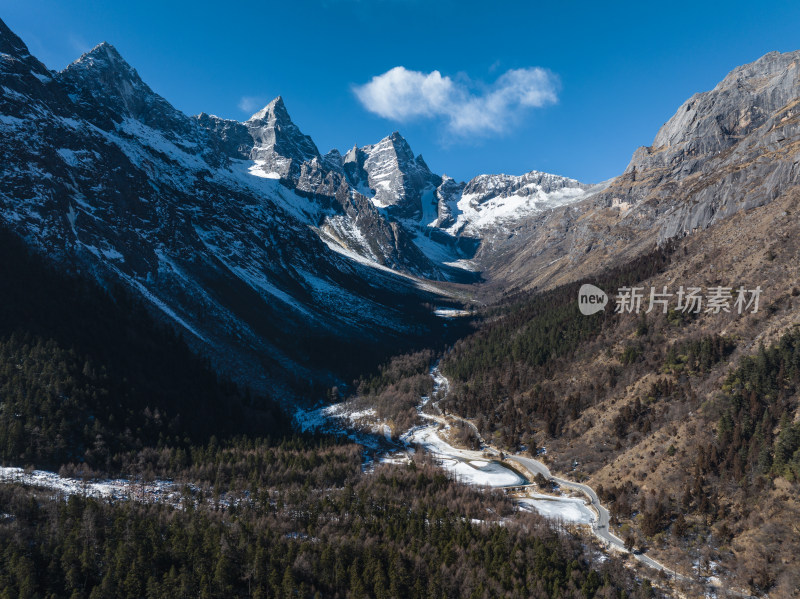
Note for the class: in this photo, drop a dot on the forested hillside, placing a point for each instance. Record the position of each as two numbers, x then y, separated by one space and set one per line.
526 340
402 532
686 422
87 376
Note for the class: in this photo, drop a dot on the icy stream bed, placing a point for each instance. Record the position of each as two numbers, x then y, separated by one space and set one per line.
152 491
478 468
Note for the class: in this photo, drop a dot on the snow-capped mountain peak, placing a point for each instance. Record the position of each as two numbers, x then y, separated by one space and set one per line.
275 112
102 52
495 202
104 63
108 92
278 143
396 178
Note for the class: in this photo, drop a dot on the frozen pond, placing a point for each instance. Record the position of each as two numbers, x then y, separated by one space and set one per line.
569 509
467 466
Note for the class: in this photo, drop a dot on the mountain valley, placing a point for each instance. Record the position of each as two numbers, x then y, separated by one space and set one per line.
181 292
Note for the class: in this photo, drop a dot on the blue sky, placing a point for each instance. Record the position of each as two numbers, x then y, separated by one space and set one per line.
565 87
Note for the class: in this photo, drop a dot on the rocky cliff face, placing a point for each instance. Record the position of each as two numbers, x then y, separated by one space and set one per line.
729 149
278 143
726 150
395 178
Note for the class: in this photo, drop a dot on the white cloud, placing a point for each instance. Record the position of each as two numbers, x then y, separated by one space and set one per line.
251 104
400 94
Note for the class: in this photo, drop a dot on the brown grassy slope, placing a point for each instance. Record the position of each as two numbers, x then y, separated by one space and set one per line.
757 533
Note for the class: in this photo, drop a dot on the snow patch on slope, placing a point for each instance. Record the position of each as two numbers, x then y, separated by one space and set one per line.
258 170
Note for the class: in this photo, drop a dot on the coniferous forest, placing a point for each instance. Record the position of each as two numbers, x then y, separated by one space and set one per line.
397 533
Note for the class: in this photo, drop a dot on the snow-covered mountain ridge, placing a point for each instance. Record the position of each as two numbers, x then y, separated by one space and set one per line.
107 179
416 220
264 252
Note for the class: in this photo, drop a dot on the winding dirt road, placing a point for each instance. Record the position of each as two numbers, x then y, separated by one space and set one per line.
601 525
